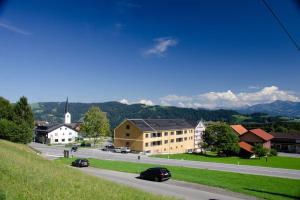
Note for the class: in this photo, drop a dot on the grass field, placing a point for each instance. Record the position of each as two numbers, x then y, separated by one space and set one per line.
275 161
25 175
259 186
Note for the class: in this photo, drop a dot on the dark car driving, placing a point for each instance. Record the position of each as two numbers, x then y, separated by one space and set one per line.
156 174
80 163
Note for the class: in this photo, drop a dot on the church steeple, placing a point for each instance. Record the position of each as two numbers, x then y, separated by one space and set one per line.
67 106
67 114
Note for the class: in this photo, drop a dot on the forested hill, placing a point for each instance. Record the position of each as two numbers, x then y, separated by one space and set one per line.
116 112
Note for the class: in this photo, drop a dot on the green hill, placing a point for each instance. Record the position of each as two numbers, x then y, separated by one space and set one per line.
25 175
116 112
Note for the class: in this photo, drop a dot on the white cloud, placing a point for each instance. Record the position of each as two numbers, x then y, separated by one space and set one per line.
230 99
142 101
13 28
146 102
161 46
124 101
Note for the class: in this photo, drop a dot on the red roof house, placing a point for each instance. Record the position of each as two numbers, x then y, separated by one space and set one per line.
248 138
239 129
245 146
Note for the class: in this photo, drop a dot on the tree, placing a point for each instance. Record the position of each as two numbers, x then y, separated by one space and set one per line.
16 121
95 124
23 112
14 132
5 109
221 138
259 150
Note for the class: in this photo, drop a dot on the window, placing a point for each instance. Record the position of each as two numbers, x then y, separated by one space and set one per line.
60 128
166 133
185 138
146 135
166 141
172 133
179 139
158 134
56 140
62 140
172 140
56 134
127 144
191 137
65 128
185 131
70 133
146 144
70 139
127 126
127 134
179 132
156 143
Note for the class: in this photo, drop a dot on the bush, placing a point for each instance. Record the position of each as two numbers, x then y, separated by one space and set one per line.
259 150
11 131
85 144
273 152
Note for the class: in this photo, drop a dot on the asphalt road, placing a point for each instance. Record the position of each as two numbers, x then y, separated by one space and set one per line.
178 189
56 151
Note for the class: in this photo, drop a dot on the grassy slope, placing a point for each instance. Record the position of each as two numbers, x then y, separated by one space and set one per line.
277 161
24 175
259 186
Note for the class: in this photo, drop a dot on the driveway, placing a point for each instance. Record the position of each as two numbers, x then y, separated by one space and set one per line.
57 151
174 188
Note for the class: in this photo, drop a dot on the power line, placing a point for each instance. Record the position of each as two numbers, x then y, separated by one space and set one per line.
281 24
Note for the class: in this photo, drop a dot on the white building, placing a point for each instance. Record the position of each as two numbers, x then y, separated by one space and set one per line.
60 133
199 130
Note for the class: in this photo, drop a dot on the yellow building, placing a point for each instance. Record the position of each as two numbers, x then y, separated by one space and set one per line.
155 135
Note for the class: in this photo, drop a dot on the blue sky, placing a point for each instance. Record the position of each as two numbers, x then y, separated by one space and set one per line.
184 53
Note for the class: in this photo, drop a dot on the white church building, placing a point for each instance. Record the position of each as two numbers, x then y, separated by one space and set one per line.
59 133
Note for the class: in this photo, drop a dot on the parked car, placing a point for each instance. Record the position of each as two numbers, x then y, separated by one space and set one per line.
117 150
80 163
108 148
125 150
156 174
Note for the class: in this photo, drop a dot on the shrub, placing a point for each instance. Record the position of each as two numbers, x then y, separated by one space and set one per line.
259 150
85 144
273 152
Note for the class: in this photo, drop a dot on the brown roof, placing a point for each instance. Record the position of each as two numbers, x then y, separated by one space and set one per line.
277 135
246 146
239 129
262 134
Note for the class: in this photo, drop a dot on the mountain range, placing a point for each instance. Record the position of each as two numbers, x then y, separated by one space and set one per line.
276 108
53 112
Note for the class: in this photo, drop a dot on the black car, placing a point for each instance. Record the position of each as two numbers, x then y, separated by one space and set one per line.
108 148
80 163
156 174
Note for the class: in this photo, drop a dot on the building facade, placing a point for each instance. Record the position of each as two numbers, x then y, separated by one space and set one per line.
155 136
286 142
199 131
